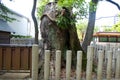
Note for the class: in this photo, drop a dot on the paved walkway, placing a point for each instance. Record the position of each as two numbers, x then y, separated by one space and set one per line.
15 76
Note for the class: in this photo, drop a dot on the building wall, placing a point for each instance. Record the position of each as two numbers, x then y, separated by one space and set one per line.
21 26
4 37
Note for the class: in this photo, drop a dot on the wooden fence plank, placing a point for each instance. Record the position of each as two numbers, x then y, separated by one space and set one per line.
24 58
0 58
30 58
16 58
8 58
30 61
4 58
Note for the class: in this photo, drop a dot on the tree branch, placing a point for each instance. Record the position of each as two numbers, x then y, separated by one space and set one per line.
35 21
118 6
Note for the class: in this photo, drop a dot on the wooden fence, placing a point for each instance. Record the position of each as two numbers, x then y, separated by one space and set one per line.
19 58
90 61
15 57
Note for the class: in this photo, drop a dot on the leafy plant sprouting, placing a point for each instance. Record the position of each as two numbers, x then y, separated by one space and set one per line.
41 6
65 22
78 7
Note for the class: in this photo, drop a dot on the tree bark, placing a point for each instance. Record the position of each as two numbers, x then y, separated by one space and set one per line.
91 24
35 21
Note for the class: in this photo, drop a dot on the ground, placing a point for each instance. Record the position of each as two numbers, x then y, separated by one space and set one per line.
14 76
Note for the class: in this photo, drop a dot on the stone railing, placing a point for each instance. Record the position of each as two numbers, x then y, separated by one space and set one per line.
23 41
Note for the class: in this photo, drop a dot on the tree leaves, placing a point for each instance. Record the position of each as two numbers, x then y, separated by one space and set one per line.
40 7
79 7
66 3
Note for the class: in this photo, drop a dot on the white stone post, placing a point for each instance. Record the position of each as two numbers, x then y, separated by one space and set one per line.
90 53
100 65
79 65
68 64
109 65
35 52
117 73
46 65
58 65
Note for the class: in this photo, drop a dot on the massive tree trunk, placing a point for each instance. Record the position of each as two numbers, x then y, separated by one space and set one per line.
91 24
57 38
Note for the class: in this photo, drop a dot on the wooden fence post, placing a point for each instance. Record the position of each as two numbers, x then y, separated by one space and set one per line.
35 51
109 65
79 65
90 52
117 73
68 64
58 65
100 65
46 65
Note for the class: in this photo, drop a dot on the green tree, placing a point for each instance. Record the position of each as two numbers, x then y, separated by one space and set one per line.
81 29
91 24
116 27
106 28
58 25
40 7
58 30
